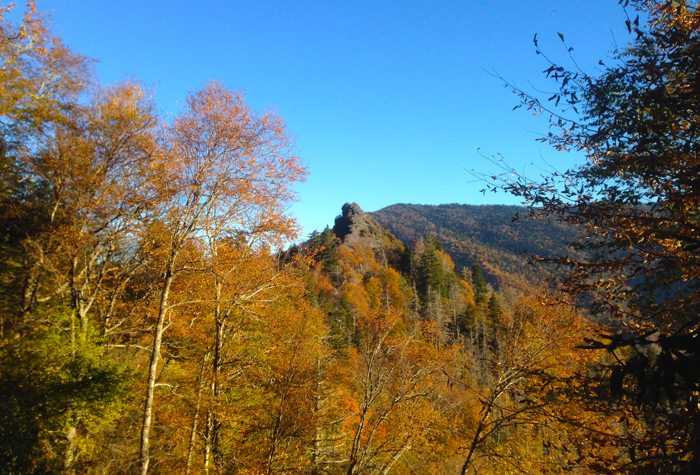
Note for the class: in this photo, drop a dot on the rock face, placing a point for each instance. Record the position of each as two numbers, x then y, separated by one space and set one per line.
354 225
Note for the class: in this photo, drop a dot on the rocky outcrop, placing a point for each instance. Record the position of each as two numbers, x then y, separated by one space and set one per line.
354 225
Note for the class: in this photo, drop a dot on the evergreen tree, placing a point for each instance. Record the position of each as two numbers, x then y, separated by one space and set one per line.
429 273
326 244
436 243
479 284
53 393
495 310
495 313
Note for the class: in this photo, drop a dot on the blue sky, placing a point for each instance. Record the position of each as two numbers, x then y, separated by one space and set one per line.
390 101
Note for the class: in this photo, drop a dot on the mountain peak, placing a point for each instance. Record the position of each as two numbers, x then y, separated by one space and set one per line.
353 225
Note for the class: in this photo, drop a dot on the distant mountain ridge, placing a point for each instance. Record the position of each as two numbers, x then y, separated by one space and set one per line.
497 235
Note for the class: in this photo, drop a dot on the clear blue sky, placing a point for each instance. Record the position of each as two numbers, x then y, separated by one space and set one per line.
389 100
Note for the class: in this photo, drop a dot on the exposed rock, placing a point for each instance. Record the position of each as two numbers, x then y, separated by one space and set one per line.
354 225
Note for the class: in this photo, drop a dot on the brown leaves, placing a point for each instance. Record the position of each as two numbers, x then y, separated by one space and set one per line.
220 152
41 78
636 197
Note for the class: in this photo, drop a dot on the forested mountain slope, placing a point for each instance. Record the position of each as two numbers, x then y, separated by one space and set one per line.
488 233
438 373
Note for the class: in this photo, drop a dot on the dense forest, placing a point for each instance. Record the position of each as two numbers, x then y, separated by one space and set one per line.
499 237
154 319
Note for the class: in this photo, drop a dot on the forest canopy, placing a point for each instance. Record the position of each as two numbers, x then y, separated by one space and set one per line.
151 320
636 201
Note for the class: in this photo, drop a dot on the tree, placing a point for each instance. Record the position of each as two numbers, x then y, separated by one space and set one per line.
229 172
326 245
429 273
286 424
70 175
397 379
41 84
637 203
479 284
495 310
511 408
40 79
123 232
51 393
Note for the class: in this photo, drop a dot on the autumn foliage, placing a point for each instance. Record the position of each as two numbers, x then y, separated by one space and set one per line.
152 321
635 201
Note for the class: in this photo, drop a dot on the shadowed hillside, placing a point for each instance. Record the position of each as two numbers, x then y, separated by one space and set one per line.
488 232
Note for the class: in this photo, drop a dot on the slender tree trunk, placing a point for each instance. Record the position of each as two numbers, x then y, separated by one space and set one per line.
195 419
357 440
31 285
207 441
218 362
476 440
274 443
153 372
69 456
395 458
316 452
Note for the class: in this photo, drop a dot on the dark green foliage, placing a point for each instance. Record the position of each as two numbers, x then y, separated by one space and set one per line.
340 321
326 245
430 273
289 254
436 243
398 255
495 311
481 291
495 321
47 383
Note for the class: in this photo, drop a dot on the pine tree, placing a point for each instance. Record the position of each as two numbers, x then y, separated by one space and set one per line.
326 244
429 273
479 284
495 311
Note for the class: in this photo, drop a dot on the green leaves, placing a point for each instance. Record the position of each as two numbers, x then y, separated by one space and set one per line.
47 382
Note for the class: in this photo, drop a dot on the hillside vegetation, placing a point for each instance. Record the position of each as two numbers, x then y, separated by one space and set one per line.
152 322
498 236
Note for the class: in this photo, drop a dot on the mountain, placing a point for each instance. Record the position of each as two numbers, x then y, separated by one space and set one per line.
499 236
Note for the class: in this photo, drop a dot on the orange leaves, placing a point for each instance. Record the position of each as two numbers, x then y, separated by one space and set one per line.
322 283
219 150
40 77
391 288
396 378
227 175
467 293
506 400
358 258
159 237
356 296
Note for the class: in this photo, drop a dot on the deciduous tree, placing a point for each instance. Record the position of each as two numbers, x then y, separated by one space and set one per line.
636 201
396 379
229 170
511 406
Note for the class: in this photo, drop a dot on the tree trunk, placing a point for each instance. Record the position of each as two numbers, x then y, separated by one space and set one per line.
395 458
207 441
195 419
153 372
476 440
316 451
69 456
218 362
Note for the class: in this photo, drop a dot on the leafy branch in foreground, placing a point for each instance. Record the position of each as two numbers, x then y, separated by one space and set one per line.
636 200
